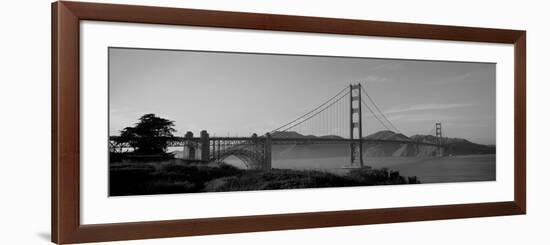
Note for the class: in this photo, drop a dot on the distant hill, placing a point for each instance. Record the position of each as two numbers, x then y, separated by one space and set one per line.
287 134
433 139
293 134
387 135
330 137
456 146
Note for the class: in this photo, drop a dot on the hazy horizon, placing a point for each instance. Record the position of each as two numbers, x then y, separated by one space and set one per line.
238 94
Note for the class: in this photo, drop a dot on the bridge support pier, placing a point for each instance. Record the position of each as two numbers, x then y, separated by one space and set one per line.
189 145
205 146
267 152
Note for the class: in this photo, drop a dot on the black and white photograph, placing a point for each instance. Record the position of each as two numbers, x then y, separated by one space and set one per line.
275 122
201 121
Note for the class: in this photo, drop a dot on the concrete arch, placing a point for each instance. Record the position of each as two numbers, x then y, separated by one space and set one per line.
252 160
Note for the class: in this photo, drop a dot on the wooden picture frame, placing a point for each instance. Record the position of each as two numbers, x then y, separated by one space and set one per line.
65 170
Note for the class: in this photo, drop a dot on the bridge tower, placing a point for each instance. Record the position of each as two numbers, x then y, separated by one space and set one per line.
189 145
356 122
205 146
439 138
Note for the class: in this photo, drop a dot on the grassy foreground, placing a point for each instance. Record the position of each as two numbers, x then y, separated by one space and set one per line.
146 179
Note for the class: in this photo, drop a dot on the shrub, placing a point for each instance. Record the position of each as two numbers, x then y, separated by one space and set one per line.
141 179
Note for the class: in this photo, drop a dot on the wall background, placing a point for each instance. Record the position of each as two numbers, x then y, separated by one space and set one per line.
25 121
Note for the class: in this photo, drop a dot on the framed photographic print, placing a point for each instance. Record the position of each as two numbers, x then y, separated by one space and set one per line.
177 122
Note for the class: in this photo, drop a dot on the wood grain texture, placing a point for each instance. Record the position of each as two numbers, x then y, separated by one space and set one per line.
193 227
520 170
54 137
66 227
224 19
67 123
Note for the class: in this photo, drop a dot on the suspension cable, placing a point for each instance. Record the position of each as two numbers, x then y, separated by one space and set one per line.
300 117
344 95
375 116
379 111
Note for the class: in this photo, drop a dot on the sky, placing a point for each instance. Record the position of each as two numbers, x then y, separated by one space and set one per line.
237 94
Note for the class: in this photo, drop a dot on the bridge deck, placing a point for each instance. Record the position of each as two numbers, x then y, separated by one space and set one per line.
343 141
301 140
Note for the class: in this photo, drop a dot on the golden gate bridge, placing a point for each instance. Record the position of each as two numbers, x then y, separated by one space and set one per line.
339 115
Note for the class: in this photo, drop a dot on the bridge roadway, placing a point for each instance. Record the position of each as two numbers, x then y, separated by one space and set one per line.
254 151
178 141
342 141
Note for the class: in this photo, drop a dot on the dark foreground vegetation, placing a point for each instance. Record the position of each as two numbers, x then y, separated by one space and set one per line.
146 179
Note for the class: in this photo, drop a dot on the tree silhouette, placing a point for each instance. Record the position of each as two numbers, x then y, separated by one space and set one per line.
150 135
